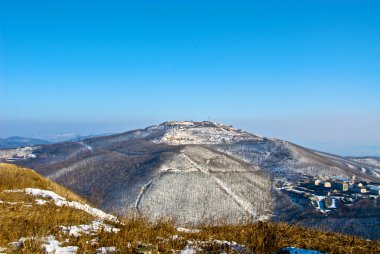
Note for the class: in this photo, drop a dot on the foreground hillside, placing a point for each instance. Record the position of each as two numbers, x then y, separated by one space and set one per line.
39 216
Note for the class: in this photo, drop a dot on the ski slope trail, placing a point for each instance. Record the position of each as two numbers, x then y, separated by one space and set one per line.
245 205
143 190
87 146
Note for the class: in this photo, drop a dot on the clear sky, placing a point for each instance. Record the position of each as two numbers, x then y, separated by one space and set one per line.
305 71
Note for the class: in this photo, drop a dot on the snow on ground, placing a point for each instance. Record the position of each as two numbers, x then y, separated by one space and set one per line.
233 245
87 146
369 161
188 230
61 201
12 203
193 247
105 250
90 229
201 136
190 249
19 243
49 244
40 201
52 246
178 133
350 166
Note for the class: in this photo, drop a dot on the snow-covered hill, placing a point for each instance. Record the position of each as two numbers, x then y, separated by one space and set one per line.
192 171
200 185
186 133
270 154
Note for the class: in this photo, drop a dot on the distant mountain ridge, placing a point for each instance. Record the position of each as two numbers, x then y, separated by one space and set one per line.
64 137
16 141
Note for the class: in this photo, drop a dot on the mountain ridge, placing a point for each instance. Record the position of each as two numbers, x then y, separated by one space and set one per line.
17 141
191 171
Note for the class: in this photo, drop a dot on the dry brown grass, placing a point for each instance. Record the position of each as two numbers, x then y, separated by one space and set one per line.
257 238
24 218
15 177
21 220
133 233
266 237
37 220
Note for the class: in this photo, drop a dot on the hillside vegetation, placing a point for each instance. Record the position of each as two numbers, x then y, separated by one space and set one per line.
52 224
15 177
36 211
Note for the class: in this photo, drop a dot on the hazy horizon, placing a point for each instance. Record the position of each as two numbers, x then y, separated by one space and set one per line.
347 143
303 71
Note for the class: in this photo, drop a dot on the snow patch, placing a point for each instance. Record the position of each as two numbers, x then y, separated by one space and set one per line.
41 202
87 146
105 250
190 249
61 201
370 161
90 229
10 203
193 247
52 246
188 230
179 133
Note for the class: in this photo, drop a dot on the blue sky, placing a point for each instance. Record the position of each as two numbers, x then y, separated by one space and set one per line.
305 71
